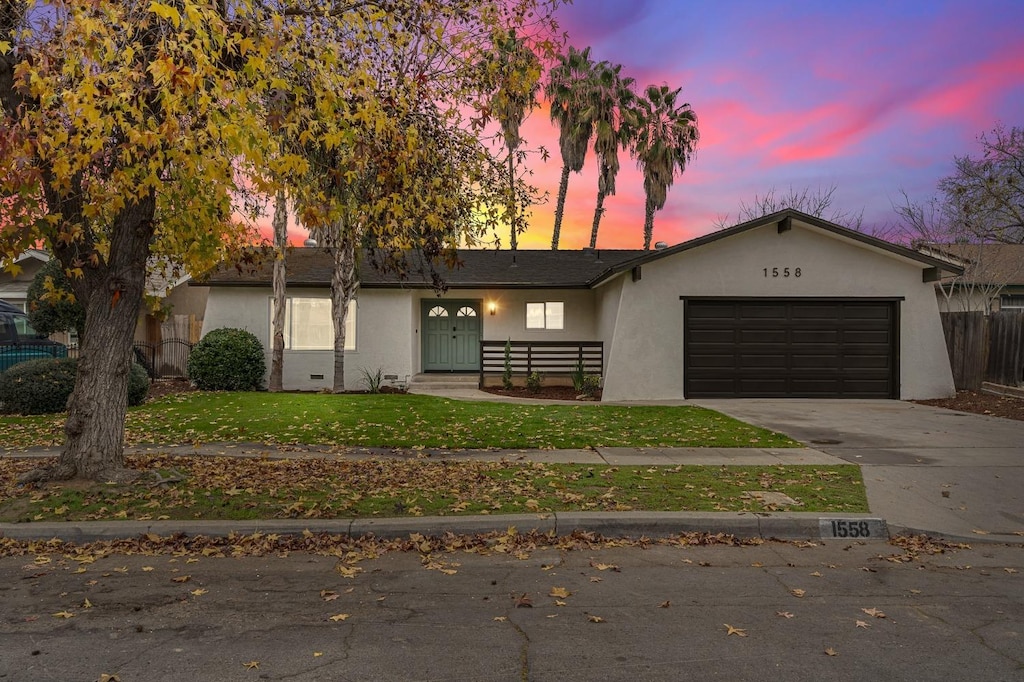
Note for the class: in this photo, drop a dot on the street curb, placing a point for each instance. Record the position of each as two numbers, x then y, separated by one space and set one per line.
781 526
989 539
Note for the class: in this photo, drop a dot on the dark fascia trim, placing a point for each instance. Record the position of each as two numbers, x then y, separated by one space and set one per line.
822 299
778 217
931 275
402 285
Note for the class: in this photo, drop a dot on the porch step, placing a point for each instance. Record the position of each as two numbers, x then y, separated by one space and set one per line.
428 382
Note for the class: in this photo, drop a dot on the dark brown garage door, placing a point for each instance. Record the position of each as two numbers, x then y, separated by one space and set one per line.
792 348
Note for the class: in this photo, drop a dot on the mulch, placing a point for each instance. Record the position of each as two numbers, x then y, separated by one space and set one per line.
544 392
977 402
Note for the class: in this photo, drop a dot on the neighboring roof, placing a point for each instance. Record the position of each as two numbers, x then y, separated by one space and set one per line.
995 264
522 269
787 214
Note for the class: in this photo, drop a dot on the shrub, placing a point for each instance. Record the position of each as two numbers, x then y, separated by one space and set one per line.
591 385
579 376
534 381
138 385
506 377
372 379
43 386
227 360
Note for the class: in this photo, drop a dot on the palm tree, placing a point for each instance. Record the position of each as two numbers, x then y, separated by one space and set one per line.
610 107
518 73
567 88
666 138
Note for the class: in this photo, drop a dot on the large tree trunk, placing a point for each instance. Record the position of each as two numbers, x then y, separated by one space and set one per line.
598 212
344 281
112 293
563 188
648 224
280 279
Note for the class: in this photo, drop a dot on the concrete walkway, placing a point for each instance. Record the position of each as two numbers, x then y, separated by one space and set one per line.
926 470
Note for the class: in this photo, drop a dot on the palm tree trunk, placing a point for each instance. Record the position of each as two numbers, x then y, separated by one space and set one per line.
563 189
276 382
598 212
648 224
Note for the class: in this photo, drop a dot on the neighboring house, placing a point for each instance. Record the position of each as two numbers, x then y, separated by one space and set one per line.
14 288
992 280
180 307
787 305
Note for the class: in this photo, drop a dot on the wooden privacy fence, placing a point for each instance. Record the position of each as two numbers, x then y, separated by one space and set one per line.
985 348
545 357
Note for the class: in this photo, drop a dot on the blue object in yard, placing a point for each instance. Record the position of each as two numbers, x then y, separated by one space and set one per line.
20 342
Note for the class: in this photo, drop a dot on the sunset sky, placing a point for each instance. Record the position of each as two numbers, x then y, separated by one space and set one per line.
871 96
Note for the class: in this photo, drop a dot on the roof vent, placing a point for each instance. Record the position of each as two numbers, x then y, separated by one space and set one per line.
661 245
310 243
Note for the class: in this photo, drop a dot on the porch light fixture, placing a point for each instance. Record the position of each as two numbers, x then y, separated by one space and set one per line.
492 307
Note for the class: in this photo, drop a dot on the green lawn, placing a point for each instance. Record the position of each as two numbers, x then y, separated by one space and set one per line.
408 421
243 488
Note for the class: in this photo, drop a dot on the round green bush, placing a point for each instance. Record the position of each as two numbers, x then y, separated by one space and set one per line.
43 386
138 385
227 360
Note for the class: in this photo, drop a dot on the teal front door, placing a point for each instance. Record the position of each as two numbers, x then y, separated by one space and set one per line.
451 336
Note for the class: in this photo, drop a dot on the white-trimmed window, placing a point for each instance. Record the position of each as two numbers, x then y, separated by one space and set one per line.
1011 302
547 315
308 324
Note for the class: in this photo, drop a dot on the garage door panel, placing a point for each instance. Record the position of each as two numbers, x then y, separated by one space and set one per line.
698 362
791 348
760 361
699 336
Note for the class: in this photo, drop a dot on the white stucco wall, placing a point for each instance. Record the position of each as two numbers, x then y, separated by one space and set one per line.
509 319
383 334
645 360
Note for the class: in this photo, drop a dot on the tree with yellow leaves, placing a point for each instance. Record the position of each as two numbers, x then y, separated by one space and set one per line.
136 129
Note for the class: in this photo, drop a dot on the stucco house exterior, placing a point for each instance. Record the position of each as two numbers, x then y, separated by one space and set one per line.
787 305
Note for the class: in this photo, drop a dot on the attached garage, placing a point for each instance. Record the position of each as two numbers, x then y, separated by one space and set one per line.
784 306
790 348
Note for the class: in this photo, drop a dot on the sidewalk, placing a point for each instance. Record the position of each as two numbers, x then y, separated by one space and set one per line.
766 525
926 470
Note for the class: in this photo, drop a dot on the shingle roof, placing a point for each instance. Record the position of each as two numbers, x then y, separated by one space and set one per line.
524 269
999 264
783 217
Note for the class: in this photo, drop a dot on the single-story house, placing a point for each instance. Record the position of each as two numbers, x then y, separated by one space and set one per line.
992 278
787 305
14 287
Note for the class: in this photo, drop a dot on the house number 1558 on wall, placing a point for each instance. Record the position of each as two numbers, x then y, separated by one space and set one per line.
782 272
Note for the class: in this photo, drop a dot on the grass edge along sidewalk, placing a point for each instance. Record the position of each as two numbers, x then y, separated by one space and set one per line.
406 421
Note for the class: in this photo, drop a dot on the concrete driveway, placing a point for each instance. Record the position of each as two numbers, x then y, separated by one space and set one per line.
926 469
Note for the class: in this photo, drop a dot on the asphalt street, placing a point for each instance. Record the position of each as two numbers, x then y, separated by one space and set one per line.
802 612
